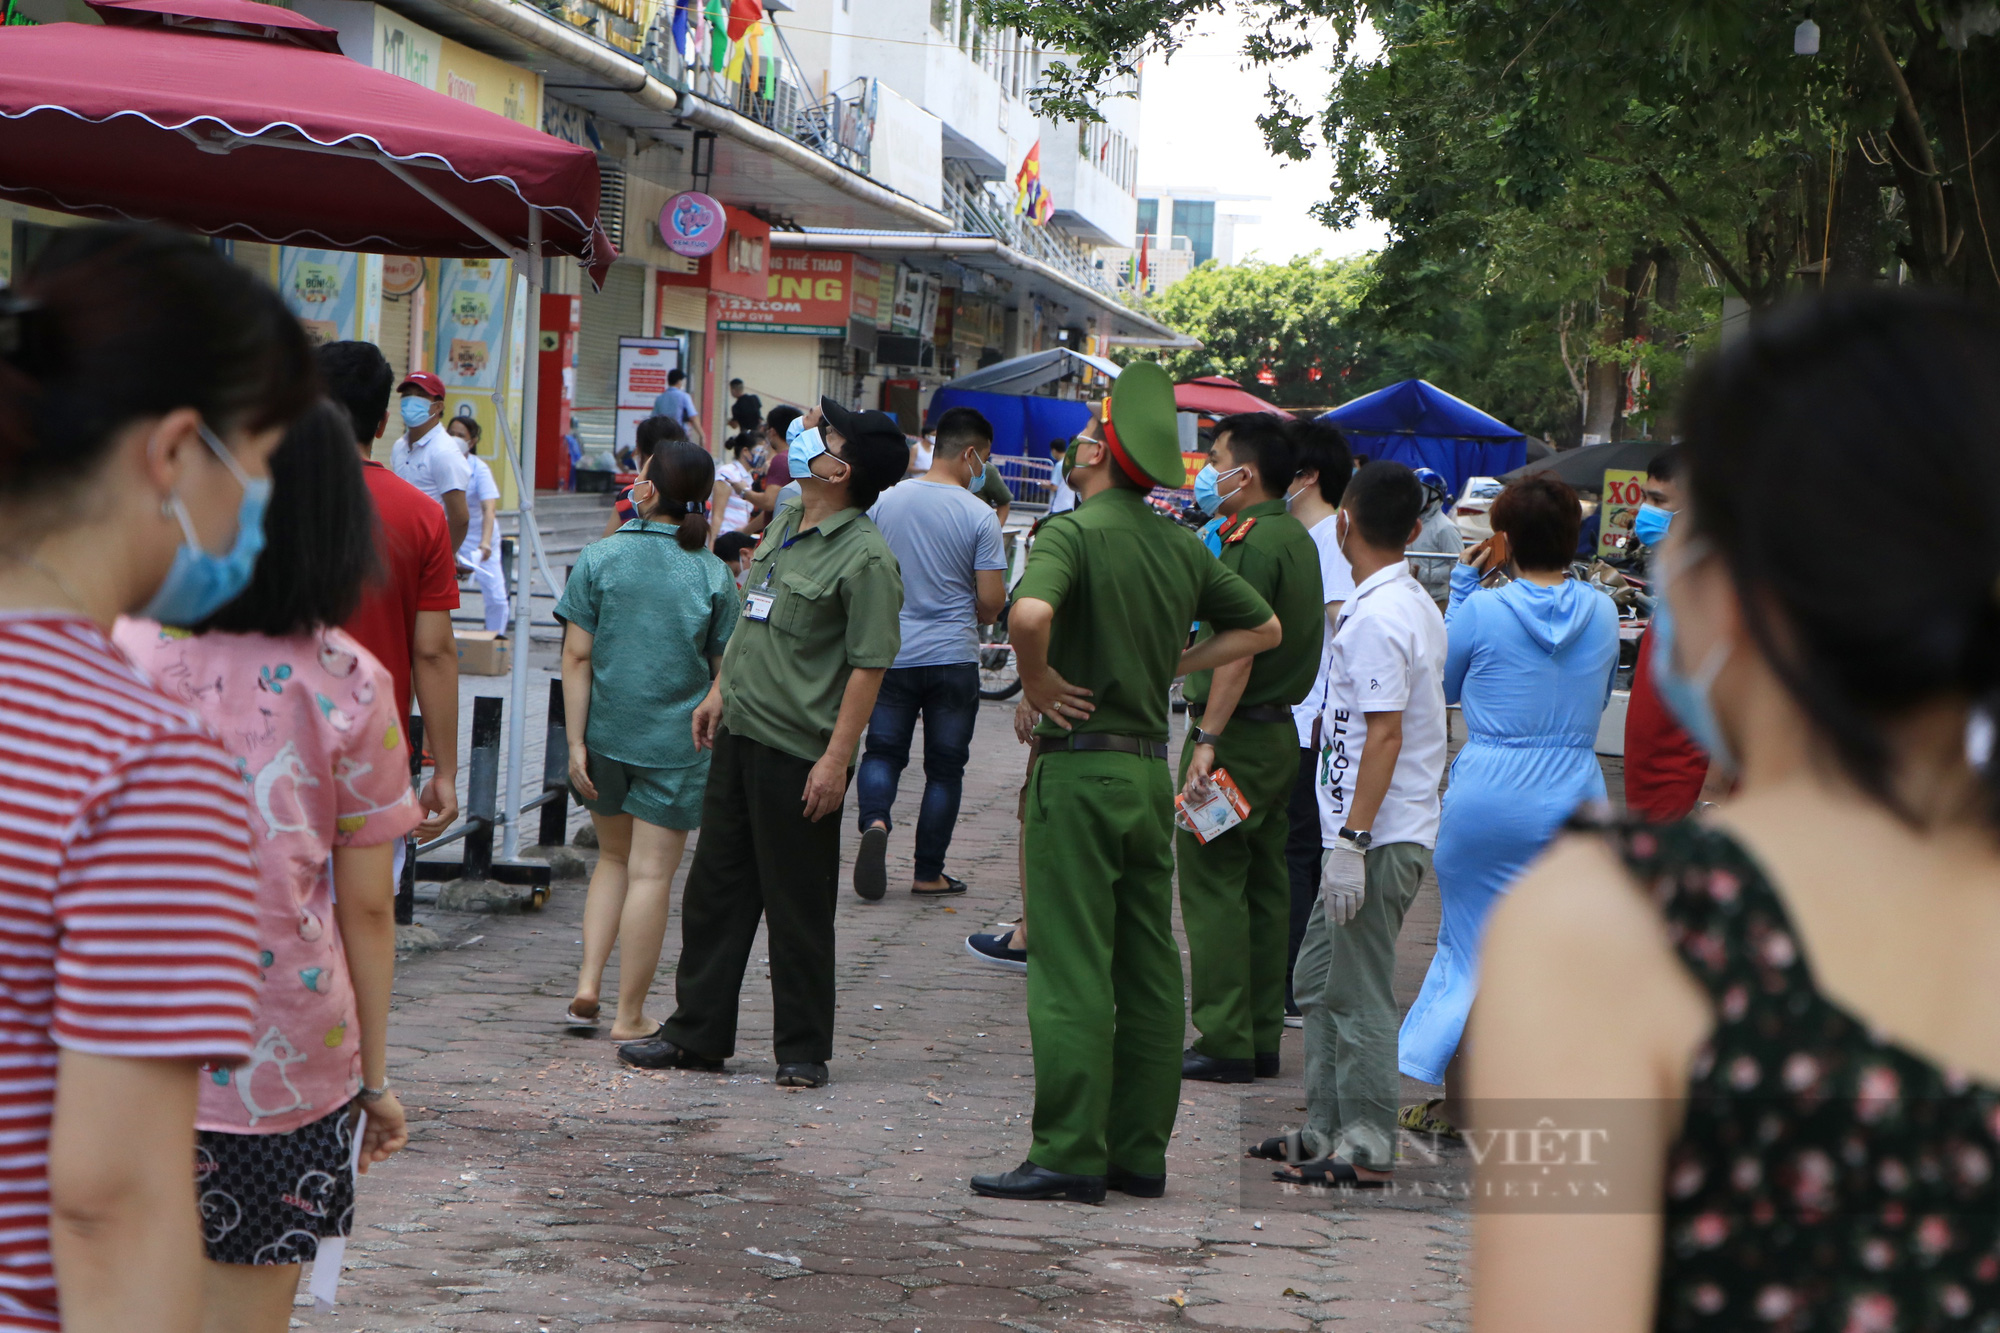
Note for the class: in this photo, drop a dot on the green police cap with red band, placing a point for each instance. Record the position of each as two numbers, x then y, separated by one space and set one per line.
1141 429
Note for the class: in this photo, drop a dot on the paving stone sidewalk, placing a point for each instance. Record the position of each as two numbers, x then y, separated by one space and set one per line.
547 1188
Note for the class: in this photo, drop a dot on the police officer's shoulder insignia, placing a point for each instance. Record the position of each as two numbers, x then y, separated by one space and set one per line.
1241 531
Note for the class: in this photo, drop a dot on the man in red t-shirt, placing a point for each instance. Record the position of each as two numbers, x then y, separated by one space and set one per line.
405 620
1664 768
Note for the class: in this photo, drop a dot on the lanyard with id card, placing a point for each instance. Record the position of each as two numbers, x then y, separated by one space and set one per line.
757 601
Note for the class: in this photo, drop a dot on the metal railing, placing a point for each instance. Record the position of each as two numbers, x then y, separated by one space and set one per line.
988 206
770 91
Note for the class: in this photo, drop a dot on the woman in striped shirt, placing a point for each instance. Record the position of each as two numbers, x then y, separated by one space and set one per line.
144 382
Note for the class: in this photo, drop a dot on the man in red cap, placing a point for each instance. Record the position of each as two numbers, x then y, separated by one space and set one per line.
428 458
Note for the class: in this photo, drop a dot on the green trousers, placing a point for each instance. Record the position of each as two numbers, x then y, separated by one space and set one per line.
1344 982
1104 974
1236 897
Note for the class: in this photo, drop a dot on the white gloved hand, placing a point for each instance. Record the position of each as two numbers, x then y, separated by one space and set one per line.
1343 882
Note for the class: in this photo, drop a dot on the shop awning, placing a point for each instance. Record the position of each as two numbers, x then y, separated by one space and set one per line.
1022 374
242 120
1220 396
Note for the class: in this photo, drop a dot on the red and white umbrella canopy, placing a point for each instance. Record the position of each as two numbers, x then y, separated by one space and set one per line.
243 120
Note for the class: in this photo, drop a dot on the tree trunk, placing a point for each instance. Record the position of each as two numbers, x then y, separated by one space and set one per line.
1856 251
1633 326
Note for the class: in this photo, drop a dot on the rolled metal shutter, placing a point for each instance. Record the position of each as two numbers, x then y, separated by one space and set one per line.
618 311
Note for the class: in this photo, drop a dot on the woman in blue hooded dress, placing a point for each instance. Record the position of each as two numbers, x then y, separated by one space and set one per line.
1531 664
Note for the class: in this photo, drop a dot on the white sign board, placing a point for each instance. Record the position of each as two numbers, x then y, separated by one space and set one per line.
643 364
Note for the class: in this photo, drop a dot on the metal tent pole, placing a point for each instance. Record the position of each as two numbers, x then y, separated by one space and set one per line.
517 704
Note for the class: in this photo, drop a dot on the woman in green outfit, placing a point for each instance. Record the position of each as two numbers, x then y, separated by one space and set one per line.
646 614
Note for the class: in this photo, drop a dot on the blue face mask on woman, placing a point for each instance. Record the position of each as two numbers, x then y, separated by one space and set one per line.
200 583
1650 524
1207 483
1686 697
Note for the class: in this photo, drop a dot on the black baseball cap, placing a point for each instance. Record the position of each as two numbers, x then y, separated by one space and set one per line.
856 425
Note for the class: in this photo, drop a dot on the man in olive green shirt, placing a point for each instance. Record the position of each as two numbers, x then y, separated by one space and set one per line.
1098 624
1235 889
820 625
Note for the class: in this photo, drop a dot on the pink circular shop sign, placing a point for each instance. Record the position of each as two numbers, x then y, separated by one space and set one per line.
692 223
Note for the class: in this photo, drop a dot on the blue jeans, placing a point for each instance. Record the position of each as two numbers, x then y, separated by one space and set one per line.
948 698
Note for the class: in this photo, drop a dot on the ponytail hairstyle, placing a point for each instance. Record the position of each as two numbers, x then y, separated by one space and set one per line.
683 477
116 323
1880 405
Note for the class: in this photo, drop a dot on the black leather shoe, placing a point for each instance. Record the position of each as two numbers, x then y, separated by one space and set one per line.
802 1074
1267 1064
1138 1186
1028 1181
656 1052
1215 1069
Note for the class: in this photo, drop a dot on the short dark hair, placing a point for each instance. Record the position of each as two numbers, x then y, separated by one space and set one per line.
647 435
1386 499
781 419
125 322
359 378
1323 450
875 462
684 475
319 535
734 382
1260 438
1666 464
675 376
732 544
961 428
1541 516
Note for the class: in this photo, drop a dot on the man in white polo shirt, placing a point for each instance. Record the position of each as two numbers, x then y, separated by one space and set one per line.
428 458
1381 758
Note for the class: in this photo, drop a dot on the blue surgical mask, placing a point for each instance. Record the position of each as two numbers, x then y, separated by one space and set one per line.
1207 495
1686 697
416 410
978 478
803 447
200 583
1650 524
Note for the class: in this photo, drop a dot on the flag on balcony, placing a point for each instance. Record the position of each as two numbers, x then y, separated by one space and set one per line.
743 16
1031 198
1145 272
718 35
684 14
744 50
768 48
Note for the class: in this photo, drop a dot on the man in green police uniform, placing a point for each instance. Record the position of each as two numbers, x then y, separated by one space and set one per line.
1235 890
821 608
1098 624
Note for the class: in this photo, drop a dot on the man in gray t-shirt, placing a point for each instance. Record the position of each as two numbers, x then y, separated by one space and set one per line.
948 543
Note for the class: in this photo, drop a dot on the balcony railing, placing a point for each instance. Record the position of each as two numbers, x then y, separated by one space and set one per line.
988 206
767 89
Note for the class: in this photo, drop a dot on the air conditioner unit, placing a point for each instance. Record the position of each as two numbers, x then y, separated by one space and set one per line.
904 349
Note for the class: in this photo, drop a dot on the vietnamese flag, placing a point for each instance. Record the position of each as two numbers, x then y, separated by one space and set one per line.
742 14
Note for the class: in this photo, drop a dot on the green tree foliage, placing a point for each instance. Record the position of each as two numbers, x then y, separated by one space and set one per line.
1294 321
1325 331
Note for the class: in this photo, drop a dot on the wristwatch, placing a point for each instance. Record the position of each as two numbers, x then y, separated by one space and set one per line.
1206 737
1361 840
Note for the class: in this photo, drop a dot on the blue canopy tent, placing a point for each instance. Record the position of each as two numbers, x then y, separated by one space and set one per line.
1420 425
1023 424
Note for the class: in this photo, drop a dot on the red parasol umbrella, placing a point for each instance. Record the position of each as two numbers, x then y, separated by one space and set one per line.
239 119
1220 396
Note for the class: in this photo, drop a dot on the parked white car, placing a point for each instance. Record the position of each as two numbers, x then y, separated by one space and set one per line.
1470 512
